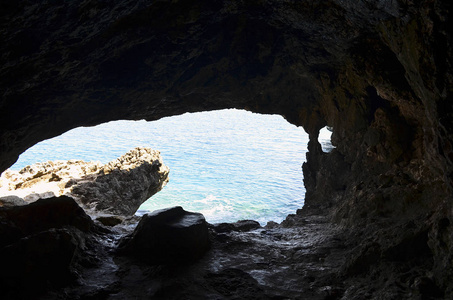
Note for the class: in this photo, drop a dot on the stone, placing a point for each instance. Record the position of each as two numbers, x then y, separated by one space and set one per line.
169 236
118 187
122 185
8 201
109 220
44 214
236 284
241 225
41 245
32 263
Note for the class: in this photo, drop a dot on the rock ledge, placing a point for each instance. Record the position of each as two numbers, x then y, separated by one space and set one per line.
118 187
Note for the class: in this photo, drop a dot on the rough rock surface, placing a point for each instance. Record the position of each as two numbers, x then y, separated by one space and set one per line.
7 201
169 236
118 187
378 72
302 262
40 244
21 221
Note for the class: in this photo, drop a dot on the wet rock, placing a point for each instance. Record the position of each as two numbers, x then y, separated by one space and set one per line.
236 284
271 224
168 236
242 225
119 187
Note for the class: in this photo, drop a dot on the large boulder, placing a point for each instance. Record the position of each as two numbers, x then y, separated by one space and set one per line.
168 236
44 214
41 245
34 263
118 187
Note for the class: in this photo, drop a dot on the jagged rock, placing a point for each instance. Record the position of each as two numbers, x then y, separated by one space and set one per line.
168 236
45 180
8 201
124 184
119 187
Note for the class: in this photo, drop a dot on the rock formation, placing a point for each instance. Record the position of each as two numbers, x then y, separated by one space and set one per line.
377 72
170 236
241 225
118 187
6 201
41 244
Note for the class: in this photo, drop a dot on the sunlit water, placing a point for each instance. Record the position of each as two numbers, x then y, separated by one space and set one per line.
228 164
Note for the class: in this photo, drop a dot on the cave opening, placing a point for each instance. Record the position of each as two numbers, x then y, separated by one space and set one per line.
228 164
325 139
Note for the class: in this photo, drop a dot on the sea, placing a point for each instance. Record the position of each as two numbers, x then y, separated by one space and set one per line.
229 164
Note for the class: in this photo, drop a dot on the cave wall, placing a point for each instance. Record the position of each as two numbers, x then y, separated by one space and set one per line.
378 72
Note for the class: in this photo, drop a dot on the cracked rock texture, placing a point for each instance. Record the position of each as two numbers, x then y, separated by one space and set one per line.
378 72
118 187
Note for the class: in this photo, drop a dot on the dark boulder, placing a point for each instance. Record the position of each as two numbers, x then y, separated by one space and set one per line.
44 214
109 220
34 263
241 225
41 246
168 236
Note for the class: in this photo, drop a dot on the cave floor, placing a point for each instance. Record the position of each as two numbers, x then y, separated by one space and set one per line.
299 262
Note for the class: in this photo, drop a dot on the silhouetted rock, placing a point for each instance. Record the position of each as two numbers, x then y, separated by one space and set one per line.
110 220
44 214
168 236
236 284
242 225
118 187
40 245
34 263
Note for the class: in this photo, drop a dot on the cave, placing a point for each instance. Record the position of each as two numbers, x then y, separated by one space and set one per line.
227 164
378 207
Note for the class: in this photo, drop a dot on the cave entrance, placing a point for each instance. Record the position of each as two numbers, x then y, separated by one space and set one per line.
228 164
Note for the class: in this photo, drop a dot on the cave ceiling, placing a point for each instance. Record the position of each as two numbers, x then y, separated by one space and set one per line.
346 64
81 63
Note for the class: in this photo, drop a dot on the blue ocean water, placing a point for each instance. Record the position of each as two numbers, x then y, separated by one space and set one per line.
228 164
